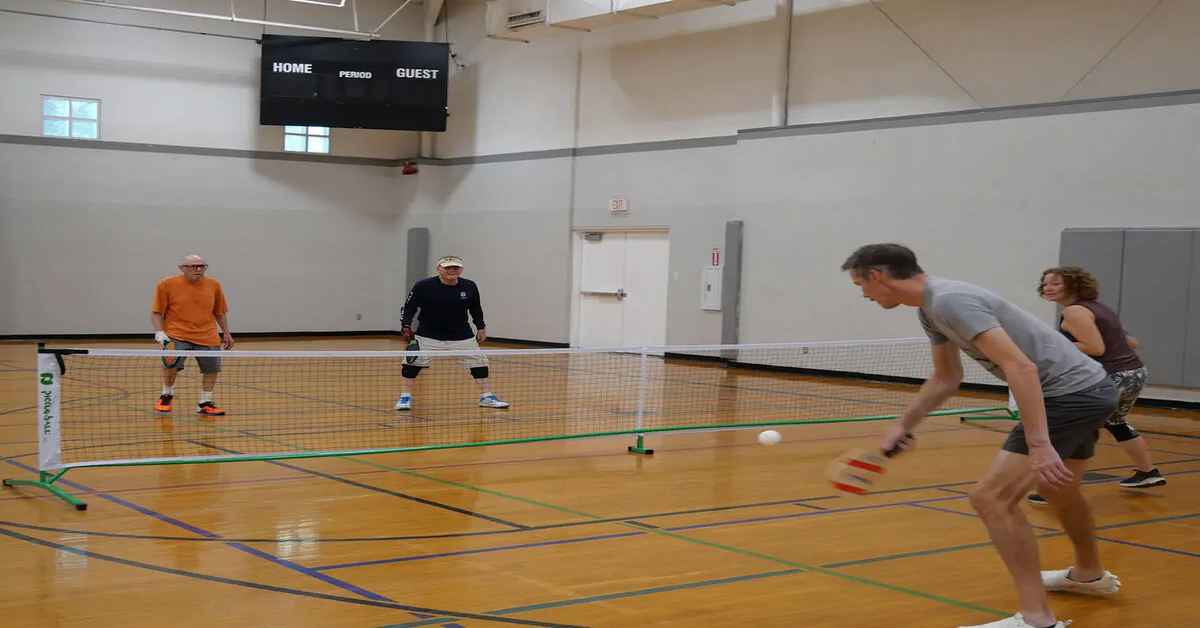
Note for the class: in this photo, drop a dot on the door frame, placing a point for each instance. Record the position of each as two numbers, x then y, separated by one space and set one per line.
577 265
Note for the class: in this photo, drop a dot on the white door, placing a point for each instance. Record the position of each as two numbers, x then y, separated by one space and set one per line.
622 289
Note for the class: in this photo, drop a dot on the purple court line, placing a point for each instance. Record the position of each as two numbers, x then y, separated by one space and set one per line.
974 516
797 515
483 550
171 487
377 489
415 611
205 533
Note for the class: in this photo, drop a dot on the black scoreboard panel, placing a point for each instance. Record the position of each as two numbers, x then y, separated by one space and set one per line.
319 81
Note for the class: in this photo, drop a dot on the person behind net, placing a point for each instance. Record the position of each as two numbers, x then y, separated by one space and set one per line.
1064 397
187 309
1098 332
443 302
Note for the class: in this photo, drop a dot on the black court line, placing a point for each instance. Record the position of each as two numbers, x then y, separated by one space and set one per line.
377 489
627 518
276 589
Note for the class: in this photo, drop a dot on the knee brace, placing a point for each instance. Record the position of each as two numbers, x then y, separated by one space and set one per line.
479 372
1122 431
409 371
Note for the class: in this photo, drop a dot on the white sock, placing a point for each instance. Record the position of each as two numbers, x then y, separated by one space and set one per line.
168 390
205 396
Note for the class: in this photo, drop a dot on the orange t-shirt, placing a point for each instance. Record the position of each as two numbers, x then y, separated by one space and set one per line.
189 310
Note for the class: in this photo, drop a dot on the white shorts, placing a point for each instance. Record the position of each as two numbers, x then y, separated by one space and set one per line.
430 344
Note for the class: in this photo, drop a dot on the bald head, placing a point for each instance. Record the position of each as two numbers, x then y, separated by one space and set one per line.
193 267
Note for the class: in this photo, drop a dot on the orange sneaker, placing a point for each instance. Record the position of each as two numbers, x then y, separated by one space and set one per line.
164 403
210 409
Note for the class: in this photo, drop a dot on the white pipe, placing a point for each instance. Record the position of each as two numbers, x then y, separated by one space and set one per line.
389 18
223 18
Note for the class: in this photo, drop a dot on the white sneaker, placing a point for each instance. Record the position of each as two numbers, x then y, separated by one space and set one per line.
1060 580
404 402
1016 621
491 401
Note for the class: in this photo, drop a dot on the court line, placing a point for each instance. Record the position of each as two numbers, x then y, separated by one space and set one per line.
631 518
973 515
482 550
377 489
234 544
276 589
694 541
723 547
624 594
1156 548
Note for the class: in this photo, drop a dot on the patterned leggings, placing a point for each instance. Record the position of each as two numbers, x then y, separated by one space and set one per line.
1130 383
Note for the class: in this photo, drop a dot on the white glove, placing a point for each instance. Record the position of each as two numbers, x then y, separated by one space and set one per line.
161 337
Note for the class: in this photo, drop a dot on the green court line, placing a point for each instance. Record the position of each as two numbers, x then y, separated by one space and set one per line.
615 596
728 548
688 539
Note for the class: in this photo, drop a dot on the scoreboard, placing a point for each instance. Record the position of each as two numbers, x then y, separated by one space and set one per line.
320 81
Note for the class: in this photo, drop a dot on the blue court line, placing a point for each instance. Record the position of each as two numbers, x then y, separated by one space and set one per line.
205 533
623 594
483 550
797 515
1156 548
414 610
616 535
973 515
376 489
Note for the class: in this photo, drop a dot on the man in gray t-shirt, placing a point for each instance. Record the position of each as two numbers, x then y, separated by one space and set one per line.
1063 395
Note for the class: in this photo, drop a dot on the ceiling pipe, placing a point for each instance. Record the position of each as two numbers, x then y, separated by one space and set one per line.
228 18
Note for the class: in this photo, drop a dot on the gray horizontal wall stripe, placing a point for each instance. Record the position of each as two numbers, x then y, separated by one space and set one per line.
34 140
642 147
489 159
1113 103
586 151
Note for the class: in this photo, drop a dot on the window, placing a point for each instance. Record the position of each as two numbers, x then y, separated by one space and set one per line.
306 139
70 117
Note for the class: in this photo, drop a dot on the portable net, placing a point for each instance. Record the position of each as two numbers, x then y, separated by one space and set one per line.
299 404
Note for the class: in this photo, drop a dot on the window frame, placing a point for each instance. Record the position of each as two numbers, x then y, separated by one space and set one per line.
71 118
308 134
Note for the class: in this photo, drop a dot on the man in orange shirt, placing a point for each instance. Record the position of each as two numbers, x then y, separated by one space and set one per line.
187 309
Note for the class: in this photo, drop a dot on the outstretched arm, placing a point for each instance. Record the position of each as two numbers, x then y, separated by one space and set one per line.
947 375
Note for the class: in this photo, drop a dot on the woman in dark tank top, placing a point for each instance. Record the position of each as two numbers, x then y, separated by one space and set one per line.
1098 332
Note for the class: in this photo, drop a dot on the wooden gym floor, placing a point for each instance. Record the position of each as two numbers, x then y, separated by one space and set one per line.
712 530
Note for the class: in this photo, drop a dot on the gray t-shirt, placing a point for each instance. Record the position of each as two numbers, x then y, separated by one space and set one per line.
957 311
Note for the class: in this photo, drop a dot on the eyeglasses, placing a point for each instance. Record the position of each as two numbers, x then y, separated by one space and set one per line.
194 266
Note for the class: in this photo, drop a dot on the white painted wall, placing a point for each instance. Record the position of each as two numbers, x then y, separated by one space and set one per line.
509 221
710 72
85 234
167 87
984 202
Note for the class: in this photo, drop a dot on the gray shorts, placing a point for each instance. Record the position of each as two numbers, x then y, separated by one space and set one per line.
1073 420
207 365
